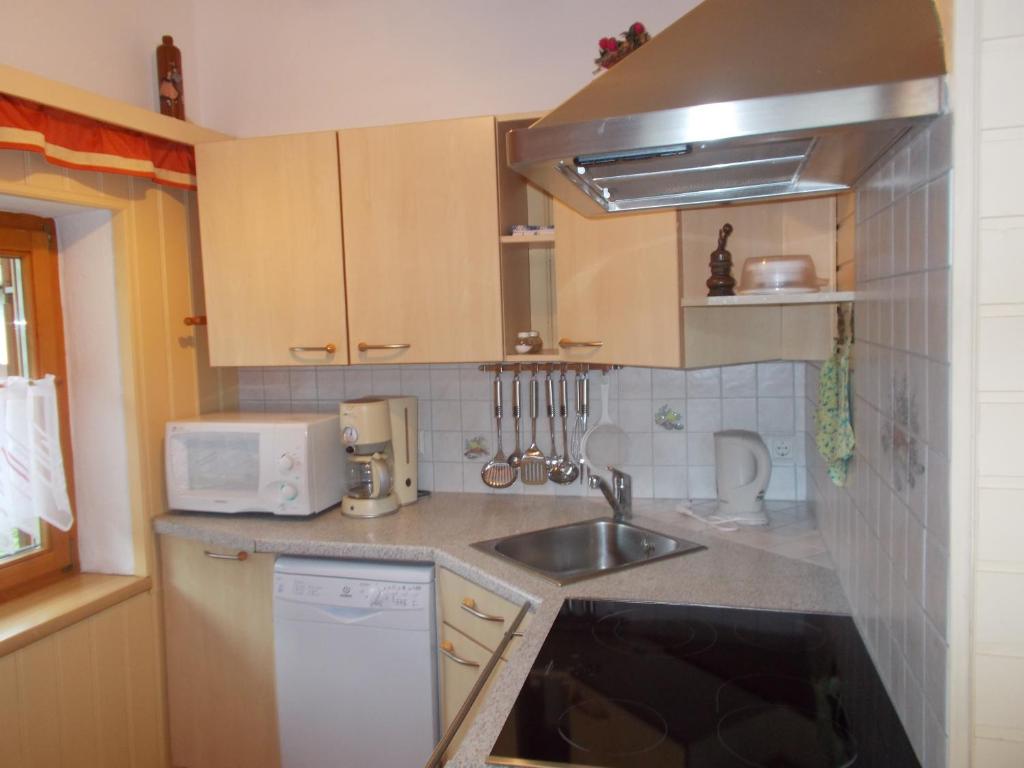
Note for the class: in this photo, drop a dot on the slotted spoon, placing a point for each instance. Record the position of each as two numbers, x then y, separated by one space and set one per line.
498 473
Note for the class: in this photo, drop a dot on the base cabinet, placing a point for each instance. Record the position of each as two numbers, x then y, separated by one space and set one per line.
472 622
218 623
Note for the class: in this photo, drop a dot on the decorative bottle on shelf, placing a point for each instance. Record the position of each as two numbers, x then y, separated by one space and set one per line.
721 282
168 72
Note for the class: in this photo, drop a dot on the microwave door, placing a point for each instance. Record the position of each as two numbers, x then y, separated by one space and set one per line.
219 471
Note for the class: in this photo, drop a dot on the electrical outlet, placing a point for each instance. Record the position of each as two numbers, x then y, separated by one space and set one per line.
782 448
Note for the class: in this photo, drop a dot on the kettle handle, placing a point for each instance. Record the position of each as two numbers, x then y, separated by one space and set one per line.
763 460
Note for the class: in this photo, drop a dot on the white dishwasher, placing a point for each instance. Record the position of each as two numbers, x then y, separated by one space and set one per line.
355 656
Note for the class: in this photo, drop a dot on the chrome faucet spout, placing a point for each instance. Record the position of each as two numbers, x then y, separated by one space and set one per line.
618 493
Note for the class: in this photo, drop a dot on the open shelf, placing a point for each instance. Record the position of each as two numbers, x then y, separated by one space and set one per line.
761 300
541 241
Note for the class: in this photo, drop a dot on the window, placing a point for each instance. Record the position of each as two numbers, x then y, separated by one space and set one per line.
32 345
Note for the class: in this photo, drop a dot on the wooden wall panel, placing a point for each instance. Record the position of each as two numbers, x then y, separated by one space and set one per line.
10 725
87 696
79 740
93 694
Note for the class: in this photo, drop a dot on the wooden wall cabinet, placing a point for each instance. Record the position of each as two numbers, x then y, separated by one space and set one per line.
218 624
421 246
618 287
270 221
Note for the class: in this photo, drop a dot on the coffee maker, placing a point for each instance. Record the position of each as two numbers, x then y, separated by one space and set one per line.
379 436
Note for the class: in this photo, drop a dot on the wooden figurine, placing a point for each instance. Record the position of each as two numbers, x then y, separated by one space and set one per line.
721 282
168 72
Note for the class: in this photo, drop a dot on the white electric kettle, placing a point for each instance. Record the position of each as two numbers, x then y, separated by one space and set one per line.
743 468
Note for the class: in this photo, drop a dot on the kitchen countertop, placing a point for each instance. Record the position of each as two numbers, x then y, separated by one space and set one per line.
441 527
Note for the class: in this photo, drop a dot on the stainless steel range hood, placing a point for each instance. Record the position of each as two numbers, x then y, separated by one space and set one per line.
743 100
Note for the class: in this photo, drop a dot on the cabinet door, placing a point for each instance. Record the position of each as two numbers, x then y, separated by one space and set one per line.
460 668
270 222
421 242
218 620
617 288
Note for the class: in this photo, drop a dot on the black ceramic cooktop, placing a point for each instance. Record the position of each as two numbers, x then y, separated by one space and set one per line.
649 685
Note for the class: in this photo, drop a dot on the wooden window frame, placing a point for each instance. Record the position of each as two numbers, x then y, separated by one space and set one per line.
34 241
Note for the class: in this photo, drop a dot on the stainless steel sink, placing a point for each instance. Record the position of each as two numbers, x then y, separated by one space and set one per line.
578 551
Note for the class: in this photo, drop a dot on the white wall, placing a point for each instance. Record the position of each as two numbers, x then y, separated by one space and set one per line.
254 67
105 46
993 233
269 68
96 397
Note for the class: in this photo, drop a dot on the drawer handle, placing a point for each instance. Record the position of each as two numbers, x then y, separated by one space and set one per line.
449 650
330 349
239 556
364 347
469 606
567 343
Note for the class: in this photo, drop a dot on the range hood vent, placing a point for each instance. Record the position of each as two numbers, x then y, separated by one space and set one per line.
741 101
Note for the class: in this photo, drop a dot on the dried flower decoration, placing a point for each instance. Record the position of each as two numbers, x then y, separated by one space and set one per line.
612 50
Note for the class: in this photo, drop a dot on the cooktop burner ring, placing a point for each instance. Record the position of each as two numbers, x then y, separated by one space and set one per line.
810 638
599 712
746 747
688 637
735 687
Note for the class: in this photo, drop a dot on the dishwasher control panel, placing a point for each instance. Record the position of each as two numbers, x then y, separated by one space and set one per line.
351 593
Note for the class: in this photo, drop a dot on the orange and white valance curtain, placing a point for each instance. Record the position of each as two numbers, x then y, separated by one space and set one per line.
73 141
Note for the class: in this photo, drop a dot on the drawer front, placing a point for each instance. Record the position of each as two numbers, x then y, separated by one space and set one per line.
457 679
477 612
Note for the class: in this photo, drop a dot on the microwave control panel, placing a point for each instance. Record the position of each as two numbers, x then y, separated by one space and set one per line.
352 593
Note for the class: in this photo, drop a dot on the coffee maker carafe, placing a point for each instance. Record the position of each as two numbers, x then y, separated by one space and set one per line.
379 435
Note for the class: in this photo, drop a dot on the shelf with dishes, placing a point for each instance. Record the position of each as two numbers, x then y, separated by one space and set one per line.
778 298
531 241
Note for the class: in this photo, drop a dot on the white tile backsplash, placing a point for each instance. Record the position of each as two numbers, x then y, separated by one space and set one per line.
455 406
888 529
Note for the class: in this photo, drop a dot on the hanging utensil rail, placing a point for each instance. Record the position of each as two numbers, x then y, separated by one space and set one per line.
547 367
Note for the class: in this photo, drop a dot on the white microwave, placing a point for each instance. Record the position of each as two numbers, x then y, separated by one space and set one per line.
282 463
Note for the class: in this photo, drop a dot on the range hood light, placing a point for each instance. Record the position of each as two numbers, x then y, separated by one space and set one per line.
647 153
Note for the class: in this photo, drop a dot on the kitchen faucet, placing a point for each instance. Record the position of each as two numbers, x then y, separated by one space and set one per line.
619 493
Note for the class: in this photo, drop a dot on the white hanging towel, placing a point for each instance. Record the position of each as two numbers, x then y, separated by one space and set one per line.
32 482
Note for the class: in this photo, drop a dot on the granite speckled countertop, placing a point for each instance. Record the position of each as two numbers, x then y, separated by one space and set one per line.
441 528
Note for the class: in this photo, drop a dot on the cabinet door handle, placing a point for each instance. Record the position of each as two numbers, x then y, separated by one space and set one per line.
330 349
364 347
469 606
567 343
449 650
217 556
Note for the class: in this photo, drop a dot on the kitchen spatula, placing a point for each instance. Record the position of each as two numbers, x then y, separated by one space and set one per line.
534 467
